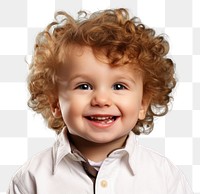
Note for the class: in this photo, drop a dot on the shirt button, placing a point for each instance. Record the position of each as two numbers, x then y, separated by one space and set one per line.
104 183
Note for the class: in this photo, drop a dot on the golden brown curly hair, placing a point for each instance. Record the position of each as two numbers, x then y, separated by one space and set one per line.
118 37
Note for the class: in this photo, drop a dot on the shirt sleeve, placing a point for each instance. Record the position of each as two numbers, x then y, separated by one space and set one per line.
176 181
22 183
14 189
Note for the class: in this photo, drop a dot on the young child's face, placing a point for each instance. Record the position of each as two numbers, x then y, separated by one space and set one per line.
98 102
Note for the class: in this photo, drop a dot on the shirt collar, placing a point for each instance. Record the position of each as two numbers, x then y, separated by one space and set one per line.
129 150
62 148
130 147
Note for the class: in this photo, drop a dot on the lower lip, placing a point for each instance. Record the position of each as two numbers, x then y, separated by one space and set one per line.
101 124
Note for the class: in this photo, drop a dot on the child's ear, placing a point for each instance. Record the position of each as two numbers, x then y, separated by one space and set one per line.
143 109
55 109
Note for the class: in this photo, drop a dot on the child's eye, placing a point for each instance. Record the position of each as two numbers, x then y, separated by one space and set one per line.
84 87
119 87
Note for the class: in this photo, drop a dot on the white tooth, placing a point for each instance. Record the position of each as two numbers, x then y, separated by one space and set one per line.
101 118
109 121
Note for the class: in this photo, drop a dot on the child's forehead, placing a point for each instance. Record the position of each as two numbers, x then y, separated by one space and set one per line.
74 53
71 69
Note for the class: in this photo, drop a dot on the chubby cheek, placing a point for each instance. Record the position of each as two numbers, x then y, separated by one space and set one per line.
130 111
71 110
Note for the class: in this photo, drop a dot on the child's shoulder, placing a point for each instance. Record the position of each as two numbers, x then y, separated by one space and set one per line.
140 153
145 159
151 160
149 153
36 163
24 178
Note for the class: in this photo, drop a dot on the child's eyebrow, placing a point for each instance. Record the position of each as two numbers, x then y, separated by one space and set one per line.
63 77
126 78
63 81
115 78
82 76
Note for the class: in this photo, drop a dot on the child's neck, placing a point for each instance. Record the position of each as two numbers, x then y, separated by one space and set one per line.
96 151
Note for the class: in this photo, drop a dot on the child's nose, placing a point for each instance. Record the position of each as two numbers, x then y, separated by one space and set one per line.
101 99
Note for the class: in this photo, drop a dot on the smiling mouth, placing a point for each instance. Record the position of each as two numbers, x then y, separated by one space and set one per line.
102 119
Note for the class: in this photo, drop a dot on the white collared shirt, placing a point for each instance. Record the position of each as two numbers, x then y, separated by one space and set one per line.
131 170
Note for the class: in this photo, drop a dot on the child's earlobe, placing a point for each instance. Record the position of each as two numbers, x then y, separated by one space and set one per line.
55 109
143 110
142 114
56 112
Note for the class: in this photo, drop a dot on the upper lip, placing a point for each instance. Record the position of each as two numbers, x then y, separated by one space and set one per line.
102 115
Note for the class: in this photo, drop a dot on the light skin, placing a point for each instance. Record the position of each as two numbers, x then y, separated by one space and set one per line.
99 104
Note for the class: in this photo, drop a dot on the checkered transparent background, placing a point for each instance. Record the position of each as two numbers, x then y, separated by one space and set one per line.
23 133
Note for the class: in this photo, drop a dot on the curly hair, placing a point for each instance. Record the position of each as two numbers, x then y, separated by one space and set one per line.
123 40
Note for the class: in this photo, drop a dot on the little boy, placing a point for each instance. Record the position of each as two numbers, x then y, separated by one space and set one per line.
99 81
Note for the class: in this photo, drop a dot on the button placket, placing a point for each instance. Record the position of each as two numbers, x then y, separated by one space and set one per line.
107 174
